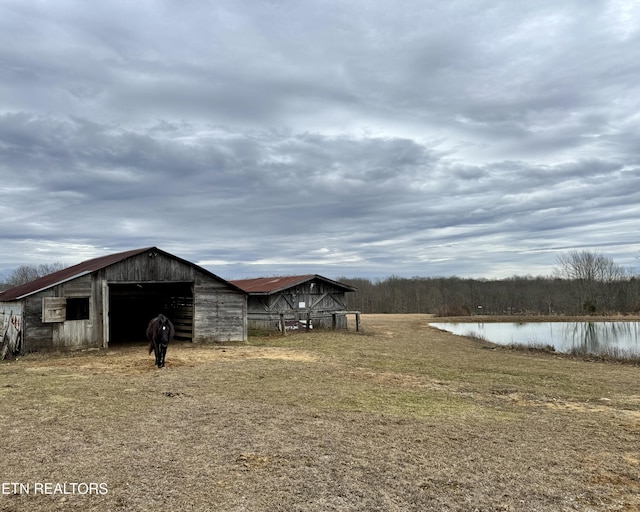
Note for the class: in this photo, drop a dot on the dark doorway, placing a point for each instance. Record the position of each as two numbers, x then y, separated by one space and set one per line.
132 305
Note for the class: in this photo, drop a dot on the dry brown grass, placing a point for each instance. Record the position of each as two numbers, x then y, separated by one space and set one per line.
399 417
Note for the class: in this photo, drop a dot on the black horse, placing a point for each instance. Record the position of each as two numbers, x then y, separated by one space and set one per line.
159 333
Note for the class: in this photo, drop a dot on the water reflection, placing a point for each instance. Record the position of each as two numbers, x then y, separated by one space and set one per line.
619 339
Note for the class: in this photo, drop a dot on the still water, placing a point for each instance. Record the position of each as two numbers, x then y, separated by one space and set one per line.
619 339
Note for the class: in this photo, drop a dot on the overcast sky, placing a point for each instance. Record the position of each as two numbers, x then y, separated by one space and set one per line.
354 138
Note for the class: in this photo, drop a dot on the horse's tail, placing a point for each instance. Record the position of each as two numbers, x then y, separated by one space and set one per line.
150 347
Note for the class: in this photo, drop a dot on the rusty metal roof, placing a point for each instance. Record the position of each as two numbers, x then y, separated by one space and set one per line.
268 285
87 267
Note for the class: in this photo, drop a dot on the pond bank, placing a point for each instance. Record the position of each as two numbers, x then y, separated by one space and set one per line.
534 318
611 339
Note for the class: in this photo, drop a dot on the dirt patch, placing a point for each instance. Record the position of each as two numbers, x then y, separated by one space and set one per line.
399 417
135 360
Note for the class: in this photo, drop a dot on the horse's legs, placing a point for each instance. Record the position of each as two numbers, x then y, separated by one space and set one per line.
163 353
156 350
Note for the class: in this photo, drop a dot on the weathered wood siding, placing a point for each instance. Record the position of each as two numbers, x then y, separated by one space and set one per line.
65 335
216 312
315 298
37 335
76 334
11 321
72 334
148 267
220 313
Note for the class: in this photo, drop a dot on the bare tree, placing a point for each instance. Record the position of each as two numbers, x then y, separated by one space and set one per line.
26 273
592 276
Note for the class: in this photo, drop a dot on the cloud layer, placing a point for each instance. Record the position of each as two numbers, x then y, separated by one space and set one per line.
475 138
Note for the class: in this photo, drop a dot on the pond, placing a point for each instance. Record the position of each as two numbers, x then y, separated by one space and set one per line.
617 339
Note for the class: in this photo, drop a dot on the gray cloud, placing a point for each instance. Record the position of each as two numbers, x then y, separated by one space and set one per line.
433 138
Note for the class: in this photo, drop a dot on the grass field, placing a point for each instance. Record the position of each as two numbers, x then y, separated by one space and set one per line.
399 417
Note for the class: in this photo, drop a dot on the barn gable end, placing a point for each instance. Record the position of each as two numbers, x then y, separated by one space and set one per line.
110 300
295 299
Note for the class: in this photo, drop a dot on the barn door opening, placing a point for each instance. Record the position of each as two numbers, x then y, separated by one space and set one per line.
132 305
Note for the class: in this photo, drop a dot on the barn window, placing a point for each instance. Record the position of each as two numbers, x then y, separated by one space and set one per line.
54 309
78 308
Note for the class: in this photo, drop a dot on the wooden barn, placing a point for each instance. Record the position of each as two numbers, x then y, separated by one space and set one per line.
110 300
295 299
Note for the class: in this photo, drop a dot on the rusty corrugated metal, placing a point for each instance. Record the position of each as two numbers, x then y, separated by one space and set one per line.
87 267
267 285
67 274
270 284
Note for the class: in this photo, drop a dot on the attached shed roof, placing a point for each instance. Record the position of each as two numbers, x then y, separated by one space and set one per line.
86 267
269 285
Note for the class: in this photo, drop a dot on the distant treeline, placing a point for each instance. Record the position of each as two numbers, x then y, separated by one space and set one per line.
453 296
584 283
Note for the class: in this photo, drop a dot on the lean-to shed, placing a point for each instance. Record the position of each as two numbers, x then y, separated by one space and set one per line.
110 300
295 299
